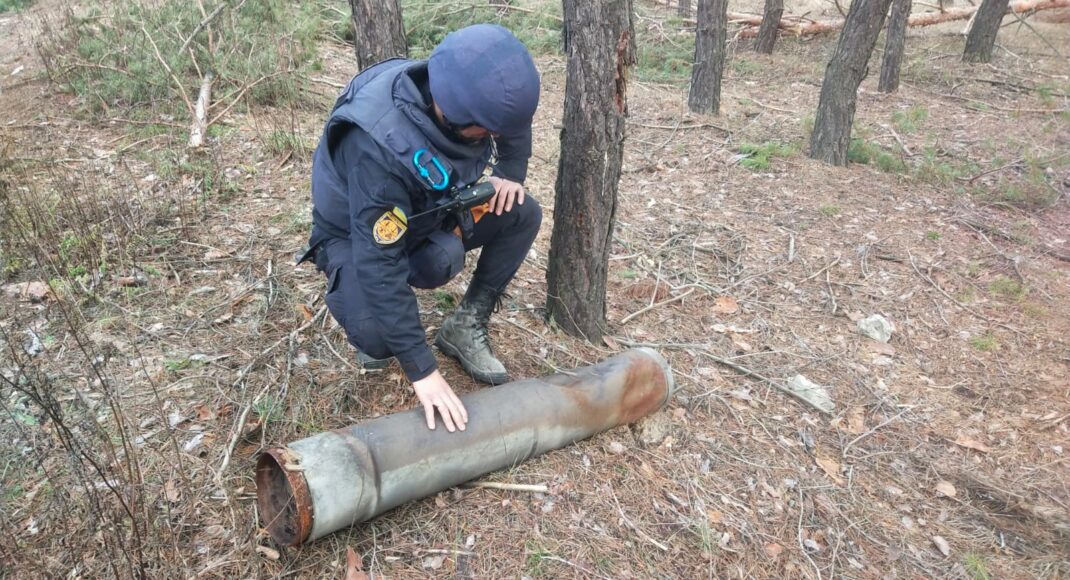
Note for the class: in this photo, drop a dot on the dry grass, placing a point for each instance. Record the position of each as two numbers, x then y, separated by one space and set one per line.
101 477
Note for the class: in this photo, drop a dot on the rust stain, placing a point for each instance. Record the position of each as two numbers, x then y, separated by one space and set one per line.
283 497
648 392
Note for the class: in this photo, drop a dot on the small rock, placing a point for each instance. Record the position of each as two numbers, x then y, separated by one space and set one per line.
32 345
653 429
876 327
812 392
942 545
193 443
616 448
433 562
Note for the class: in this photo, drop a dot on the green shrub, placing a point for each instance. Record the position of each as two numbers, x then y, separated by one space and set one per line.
910 120
112 56
537 24
13 5
759 157
1007 288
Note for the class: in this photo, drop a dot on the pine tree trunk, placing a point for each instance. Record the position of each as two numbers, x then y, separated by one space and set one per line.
774 9
845 71
710 33
683 9
600 50
895 40
982 36
379 31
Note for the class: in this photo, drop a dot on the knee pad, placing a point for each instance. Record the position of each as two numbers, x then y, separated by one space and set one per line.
436 261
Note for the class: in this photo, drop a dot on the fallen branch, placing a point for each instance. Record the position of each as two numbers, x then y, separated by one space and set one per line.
228 452
795 25
537 488
628 318
958 303
207 20
200 112
171 73
702 349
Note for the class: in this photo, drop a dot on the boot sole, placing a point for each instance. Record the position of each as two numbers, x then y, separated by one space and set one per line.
452 351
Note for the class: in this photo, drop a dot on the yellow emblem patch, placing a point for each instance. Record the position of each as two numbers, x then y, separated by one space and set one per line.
390 227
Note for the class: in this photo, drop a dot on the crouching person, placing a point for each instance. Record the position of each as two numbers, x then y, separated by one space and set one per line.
403 138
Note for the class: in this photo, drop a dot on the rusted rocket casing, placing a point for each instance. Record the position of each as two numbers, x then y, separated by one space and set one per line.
338 478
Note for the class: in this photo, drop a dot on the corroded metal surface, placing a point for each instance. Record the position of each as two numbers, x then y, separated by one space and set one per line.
283 497
338 478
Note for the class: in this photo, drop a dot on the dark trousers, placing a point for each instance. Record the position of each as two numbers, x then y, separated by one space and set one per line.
505 241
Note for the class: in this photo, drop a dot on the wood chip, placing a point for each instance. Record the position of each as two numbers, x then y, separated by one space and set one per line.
831 467
963 441
269 553
945 489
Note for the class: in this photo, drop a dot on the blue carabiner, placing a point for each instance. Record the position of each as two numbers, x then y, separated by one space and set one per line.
422 169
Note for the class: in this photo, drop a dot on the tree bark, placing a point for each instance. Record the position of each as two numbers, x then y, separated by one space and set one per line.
774 9
982 36
600 51
845 71
379 31
683 9
710 33
895 40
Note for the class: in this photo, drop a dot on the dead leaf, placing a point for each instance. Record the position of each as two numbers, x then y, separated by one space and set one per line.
725 305
945 488
714 516
942 545
204 412
831 467
878 347
743 394
226 317
610 342
856 420
170 491
963 441
251 428
740 343
130 281
214 254
33 291
269 553
354 567
773 549
305 311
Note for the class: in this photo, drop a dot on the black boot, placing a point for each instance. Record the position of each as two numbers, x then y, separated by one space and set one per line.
463 336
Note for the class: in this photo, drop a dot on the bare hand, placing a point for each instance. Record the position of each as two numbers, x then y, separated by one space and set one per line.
435 393
505 193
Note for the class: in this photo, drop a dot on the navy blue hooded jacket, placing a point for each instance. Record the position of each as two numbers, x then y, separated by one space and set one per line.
364 166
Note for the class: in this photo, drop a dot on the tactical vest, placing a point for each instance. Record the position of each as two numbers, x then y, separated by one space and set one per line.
370 102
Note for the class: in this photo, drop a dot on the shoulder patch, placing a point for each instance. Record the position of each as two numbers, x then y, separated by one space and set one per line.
390 227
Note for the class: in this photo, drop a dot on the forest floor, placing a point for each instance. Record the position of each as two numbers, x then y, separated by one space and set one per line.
947 454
